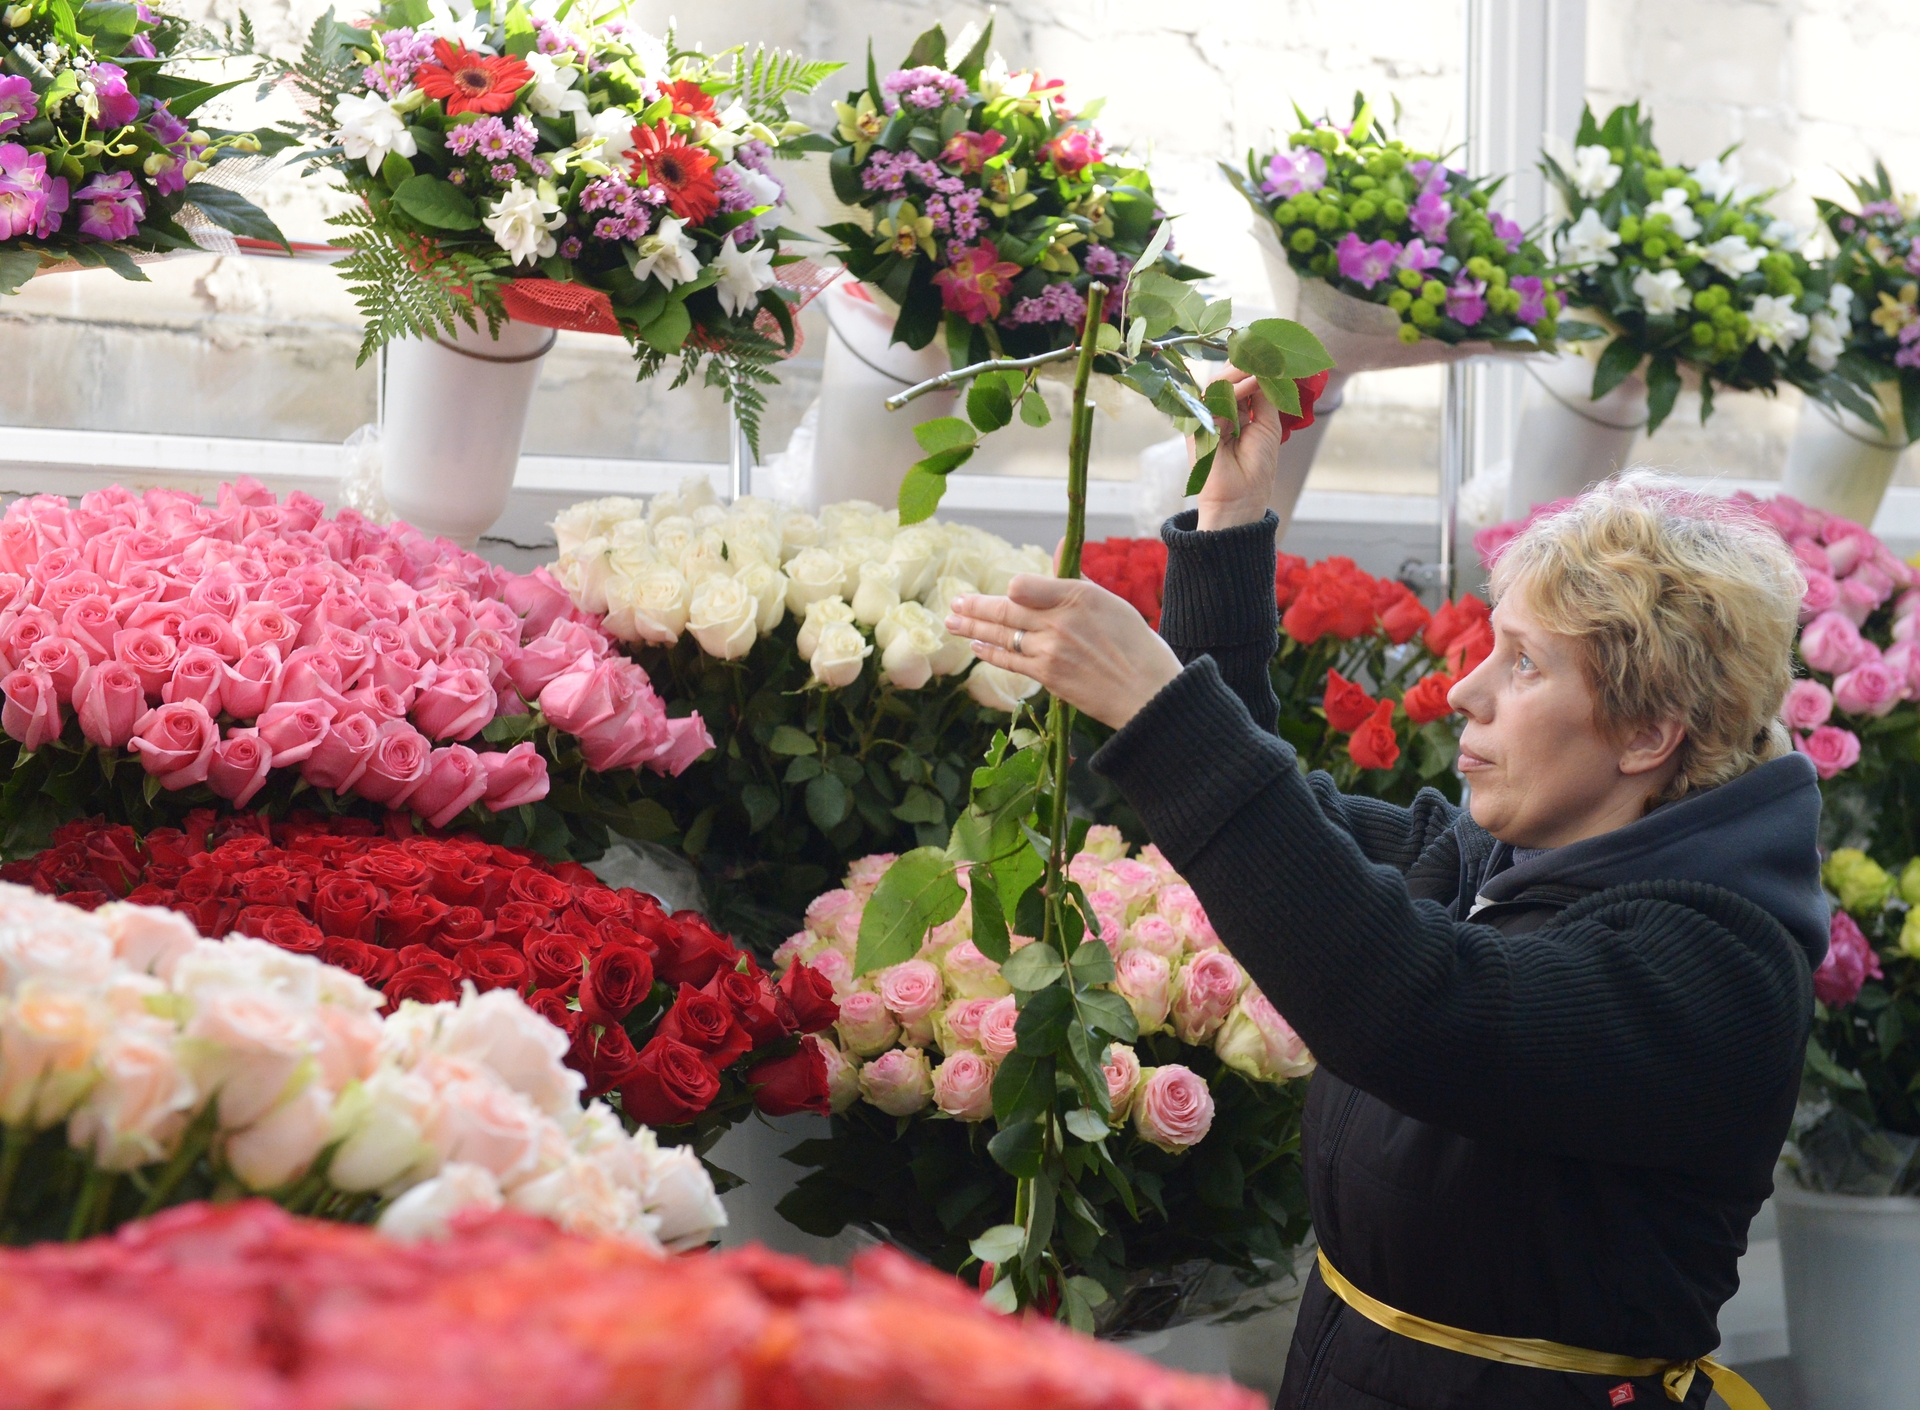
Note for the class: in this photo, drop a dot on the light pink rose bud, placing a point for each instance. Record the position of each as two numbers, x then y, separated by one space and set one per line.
240 767
377 702
1832 749
338 760
532 666
1086 871
971 975
1145 981
396 766
1203 994
1903 659
864 875
1155 933
843 1077
200 675
252 681
1122 1067
1821 595
1179 905
866 1028
1808 704
110 701
399 671
963 1086
1173 1108
294 729
1256 1040
90 624
899 1082
266 624
837 970
458 705
538 599
910 991
835 914
1856 600
309 676
959 1024
514 776
1869 689
1832 644
150 654
213 633
175 743
61 660
997 1035
1135 881
32 710
455 778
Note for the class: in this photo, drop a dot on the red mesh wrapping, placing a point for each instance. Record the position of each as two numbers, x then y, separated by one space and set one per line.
579 308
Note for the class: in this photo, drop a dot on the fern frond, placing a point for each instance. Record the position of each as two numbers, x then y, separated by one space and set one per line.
406 291
764 83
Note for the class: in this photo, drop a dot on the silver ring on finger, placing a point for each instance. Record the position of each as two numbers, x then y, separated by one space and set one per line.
1018 638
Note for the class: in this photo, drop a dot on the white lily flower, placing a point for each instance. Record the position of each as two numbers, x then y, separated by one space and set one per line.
522 222
1594 172
1840 300
1784 234
1776 323
667 254
1718 179
553 91
1827 339
1589 242
456 22
1732 256
1664 294
743 274
611 131
370 127
649 56
1673 205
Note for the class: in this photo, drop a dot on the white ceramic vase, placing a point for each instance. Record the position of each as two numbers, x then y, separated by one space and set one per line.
1852 1272
1840 463
861 450
456 411
1567 440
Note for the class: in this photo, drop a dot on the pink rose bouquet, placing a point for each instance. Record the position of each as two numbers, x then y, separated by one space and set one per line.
158 653
1206 1087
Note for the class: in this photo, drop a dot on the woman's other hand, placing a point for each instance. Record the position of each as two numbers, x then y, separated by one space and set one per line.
1084 644
1240 485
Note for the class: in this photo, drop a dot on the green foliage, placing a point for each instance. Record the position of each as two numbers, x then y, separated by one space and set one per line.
763 83
403 292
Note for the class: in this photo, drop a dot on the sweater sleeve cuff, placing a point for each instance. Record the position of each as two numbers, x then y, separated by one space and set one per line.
1219 588
1191 759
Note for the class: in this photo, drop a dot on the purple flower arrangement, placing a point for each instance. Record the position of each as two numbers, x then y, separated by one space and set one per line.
91 164
1381 222
1878 268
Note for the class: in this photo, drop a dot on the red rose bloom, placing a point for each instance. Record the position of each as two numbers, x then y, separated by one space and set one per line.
691 951
671 1083
514 921
167 847
811 997
1427 700
598 902
495 966
1470 648
604 1056
796 1082
463 925
203 881
348 906
1402 616
1453 621
706 1025
1347 705
1374 745
536 887
241 853
467 82
392 870
661 157
551 1004
412 918
369 962
212 917
617 981
113 856
1335 596
753 1003
556 959
273 886
1289 576
282 926
421 983
1310 391
621 932
421 957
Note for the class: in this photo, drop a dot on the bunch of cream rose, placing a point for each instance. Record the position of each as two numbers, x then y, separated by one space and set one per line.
851 581
932 1031
233 644
169 1067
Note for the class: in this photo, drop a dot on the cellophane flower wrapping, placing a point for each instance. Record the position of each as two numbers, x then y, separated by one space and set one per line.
142 1065
1684 268
244 1303
1383 222
1211 1083
489 143
163 654
662 1014
992 201
815 649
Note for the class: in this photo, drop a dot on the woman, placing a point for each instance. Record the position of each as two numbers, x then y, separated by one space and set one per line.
1560 1032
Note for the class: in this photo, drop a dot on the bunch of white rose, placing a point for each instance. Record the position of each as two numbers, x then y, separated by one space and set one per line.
951 1000
853 580
156 1047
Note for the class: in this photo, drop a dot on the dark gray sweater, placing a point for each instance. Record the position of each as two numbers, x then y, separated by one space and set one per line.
1552 1120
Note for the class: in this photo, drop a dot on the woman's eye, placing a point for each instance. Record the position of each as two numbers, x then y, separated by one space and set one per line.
1525 662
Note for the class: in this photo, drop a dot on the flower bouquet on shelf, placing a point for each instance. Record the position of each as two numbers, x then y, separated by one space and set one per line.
1685 271
1362 215
659 1010
992 202
241 1304
164 655
564 168
99 157
142 1066
814 648
1190 1165
1874 306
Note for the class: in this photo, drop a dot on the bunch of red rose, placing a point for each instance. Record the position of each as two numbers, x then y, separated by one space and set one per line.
1374 743
1135 569
244 1305
661 1008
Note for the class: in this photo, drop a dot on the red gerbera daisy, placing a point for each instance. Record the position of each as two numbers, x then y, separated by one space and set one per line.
472 83
691 100
661 157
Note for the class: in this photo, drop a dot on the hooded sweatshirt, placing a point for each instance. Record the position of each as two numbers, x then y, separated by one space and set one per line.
1551 1094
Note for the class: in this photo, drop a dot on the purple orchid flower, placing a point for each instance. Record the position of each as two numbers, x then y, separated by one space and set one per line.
23 194
1365 264
1418 256
118 106
1291 172
1507 232
1532 290
111 206
1431 175
1466 301
18 103
1431 215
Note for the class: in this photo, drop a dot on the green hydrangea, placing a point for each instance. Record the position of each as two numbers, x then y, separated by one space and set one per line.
1861 883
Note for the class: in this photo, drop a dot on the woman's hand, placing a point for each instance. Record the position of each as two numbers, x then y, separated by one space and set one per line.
1240 485
1085 645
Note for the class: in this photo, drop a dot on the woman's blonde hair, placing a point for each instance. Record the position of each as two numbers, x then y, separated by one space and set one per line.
1685 608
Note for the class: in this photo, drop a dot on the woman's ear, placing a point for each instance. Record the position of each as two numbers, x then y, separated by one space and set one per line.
1651 746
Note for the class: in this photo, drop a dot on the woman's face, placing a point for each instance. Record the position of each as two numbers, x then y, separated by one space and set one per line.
1541 772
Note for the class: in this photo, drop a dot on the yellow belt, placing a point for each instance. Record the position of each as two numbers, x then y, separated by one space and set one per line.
1676 1376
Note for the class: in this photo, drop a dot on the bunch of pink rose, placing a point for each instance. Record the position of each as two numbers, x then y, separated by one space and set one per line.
220 643
931 1032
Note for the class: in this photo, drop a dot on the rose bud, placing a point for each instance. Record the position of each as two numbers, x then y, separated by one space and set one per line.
997 1022
239 768
866 1028
899 1082
911 991
1203 994
1144 980
670 1084
519 775
705 1024
811 998
963 1086
1122 1069
556 958
618 981
454 780
175 743
1256 1040
1173 1108
797 1082
396 766
109 701
971 975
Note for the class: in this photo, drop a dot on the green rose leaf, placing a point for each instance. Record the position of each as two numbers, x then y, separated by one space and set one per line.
944 433
1000 1243
990 935
1042 1024
1092 964
920 494
1018 1149
428 200
1088 1124
989 403
1022 1085
917 893
1033 409
1034 967
232 211
1109 1013
788 740
827 802
667 332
